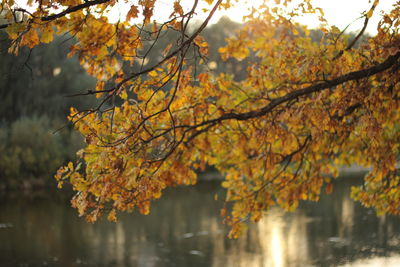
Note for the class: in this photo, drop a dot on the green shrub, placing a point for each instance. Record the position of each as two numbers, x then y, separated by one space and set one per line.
30 151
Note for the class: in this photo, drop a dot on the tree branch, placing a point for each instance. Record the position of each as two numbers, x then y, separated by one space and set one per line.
73 9
352 76
63 13
175 52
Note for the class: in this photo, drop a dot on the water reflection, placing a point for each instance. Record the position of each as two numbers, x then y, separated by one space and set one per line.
184 229
392 261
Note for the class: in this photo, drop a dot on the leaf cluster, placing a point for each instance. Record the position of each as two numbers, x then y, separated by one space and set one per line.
278 134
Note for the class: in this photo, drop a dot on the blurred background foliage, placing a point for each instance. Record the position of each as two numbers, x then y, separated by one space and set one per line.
34 89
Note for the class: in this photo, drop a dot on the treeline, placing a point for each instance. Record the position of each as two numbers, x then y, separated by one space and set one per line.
33 90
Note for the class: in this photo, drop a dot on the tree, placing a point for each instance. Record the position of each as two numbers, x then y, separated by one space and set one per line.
278 135
33 86
35 82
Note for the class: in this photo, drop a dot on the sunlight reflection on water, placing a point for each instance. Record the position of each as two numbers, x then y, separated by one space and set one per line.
391 261
185 229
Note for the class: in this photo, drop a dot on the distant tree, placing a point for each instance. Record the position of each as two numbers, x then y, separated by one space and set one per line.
30 152
34 89
303 108
38 81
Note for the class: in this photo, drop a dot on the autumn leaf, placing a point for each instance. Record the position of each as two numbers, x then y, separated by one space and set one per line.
287 108
132 13
329 189
30 39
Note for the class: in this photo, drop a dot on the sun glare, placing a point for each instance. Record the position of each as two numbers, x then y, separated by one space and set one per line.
340 13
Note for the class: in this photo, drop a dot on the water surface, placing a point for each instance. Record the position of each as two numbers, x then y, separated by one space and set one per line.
184 229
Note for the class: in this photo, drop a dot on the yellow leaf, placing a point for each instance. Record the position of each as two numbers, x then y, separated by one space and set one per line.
132 13
15 29
370 12
47 35
153 73
123 95
70 165
30 39
112 216
178 8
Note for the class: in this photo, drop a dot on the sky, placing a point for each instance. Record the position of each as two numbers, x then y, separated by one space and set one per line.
338 12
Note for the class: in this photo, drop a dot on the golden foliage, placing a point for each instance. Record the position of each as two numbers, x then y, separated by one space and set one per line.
305 108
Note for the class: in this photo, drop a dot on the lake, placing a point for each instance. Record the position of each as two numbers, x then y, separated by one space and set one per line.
184 228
